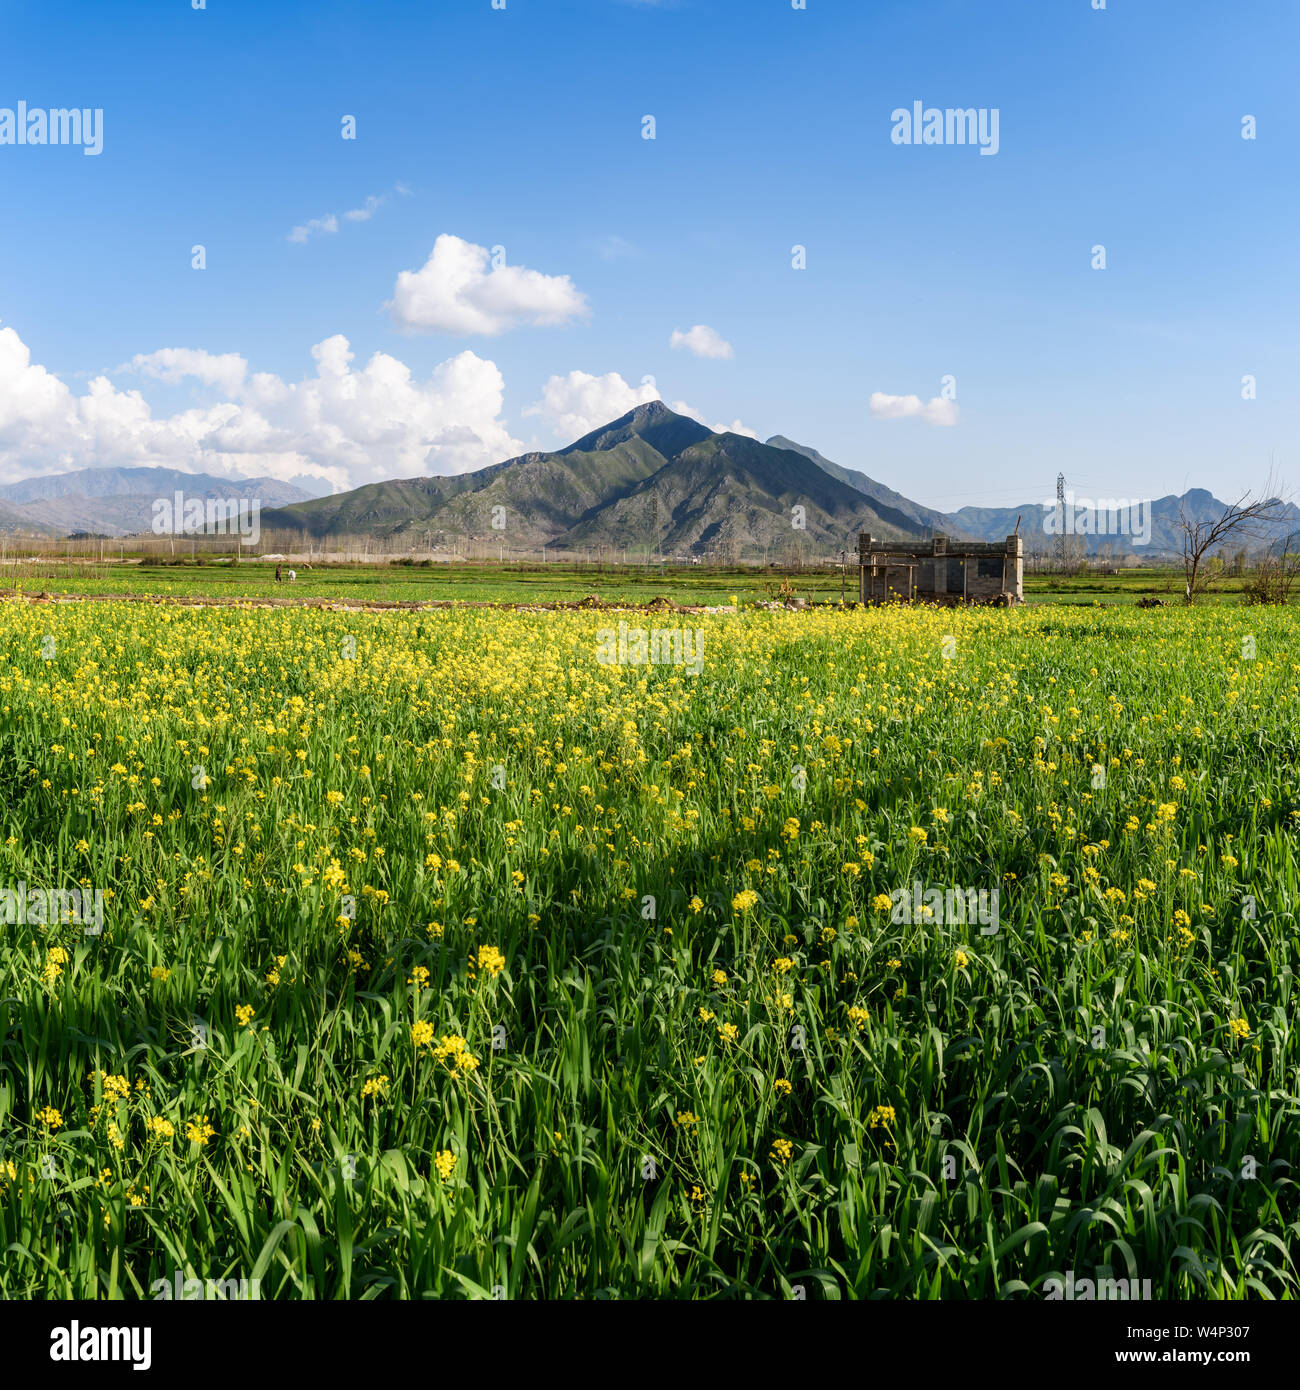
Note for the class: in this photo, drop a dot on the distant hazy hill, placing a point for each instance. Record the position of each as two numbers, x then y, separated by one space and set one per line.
993 523
650 479
119 501
15 521
996 523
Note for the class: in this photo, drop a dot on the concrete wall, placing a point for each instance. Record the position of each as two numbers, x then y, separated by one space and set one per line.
941 571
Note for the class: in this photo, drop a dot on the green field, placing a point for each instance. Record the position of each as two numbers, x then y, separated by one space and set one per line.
440 958
537 583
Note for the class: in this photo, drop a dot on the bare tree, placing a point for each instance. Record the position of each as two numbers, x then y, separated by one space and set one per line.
1074 552
1249 517
1274 577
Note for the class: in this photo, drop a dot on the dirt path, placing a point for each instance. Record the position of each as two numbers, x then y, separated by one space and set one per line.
589 604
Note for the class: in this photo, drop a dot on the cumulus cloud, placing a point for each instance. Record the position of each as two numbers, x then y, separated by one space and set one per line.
347 425
226 370
702 341
464 289
574 405
935 411
30 397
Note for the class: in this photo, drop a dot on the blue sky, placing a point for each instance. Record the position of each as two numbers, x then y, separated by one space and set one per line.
522 129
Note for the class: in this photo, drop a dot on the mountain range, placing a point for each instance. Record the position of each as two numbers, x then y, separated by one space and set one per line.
652 481
1158 517
119 501
658 481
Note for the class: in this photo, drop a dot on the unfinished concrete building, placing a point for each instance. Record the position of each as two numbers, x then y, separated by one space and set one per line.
941 570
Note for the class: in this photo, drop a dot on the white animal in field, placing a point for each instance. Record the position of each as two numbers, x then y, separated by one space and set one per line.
293 574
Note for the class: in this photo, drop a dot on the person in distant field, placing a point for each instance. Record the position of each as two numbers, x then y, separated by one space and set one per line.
278 575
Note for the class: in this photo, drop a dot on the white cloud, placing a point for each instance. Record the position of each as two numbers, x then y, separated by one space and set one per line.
576 404
460 289
226 370
935 411
366 211
736 426
703 341
329 224
30 397
346 425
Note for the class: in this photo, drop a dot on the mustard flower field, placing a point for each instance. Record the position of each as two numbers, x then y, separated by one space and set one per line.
462 955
